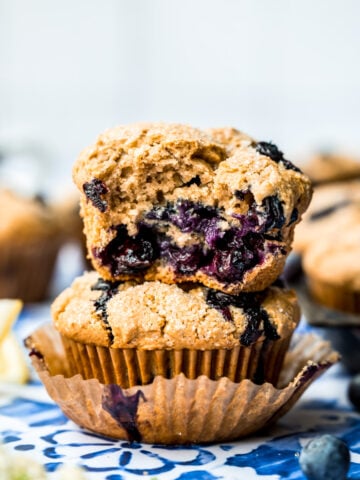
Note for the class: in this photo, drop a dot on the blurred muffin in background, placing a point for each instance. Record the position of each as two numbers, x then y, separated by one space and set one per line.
333 270
334 207
325 167
71 224
30 239
325 271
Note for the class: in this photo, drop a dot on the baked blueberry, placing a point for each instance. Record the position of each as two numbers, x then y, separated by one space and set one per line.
271 150
177 204
93 191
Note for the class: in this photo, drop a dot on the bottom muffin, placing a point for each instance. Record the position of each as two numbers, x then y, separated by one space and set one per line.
127 333
177 410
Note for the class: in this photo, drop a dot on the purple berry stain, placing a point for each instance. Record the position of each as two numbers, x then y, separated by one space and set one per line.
250 303
108 289
258 321
271 150
93 191
123 408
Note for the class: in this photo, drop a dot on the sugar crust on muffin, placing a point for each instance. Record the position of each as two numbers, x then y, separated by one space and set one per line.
154 315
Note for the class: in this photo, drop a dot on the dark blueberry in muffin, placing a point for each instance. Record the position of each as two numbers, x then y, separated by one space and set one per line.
125 254
220 301
250 303
224 253
93 191
271 150
235 254
273 213
184 260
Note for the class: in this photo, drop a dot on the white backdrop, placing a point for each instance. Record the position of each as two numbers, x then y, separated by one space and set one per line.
281 70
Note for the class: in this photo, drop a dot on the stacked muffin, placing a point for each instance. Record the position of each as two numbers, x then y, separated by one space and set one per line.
188 232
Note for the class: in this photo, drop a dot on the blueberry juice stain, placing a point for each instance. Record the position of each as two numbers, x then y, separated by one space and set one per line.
258 321
123 409
108 290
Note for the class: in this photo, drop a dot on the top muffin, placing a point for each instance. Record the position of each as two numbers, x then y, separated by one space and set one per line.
177 204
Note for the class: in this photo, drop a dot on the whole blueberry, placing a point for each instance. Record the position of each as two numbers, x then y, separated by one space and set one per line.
325 458
354 391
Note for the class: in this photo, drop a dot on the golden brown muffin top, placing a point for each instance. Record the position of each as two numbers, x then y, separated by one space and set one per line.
141 164
135 174
154 315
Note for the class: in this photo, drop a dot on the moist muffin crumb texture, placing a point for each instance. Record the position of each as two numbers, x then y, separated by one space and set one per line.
176 204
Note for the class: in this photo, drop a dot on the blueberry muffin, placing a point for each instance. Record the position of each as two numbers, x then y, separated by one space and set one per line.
30 239
325 167
333 270
334 207
127 333
176 204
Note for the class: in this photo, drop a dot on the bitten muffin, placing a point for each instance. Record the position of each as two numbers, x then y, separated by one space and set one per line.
325 167
176 204
334 207
333 270
128 333
29 243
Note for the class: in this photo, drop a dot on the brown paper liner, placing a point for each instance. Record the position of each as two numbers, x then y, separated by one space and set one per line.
26 270
129 366
177 410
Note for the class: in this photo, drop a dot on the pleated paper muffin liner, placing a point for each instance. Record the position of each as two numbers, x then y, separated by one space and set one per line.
178 410
129 366
26 270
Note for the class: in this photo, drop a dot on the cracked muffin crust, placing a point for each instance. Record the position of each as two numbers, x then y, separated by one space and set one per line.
128 333
177 204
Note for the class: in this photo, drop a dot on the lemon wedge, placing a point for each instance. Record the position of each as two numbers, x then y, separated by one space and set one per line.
9 311
13 366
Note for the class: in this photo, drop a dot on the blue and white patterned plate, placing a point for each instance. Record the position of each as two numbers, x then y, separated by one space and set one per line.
31 423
